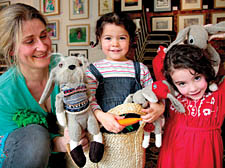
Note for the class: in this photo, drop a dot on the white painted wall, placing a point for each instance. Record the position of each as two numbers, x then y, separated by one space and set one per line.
94 54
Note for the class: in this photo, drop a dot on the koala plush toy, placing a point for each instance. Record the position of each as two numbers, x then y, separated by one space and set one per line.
153 93
73 107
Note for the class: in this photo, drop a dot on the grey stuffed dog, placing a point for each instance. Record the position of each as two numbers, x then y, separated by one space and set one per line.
73 108
199 36
153 93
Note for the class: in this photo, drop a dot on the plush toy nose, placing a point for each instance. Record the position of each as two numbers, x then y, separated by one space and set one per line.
72 67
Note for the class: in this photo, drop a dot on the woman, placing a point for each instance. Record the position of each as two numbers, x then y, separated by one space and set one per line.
26 46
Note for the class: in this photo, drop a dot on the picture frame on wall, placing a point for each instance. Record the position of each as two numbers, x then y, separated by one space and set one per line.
77 52
162 23
4 4
218 17
78 35
219 4
53 29
54 48
191 4
190 19
105 6
78 9
131 5
49 7
162 5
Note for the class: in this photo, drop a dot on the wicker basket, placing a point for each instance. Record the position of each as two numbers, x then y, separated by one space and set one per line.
122 150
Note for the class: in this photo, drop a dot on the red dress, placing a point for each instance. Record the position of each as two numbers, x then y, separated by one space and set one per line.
193 139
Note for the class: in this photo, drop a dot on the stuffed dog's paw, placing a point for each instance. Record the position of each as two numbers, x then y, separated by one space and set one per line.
96 151
77 155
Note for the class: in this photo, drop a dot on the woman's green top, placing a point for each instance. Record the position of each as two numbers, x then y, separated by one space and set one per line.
15 96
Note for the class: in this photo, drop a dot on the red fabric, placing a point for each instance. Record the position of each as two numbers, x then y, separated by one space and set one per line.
149 127
193 140
160 89
157 63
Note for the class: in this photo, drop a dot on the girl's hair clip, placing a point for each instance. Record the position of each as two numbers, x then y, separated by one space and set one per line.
92 44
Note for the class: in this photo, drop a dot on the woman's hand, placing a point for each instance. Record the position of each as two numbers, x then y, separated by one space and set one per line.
109 121
84 140
153 112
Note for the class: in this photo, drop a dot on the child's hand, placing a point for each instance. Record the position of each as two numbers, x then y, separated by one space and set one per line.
153 112
109 121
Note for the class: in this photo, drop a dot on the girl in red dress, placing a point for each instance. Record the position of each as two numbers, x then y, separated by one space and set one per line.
193 139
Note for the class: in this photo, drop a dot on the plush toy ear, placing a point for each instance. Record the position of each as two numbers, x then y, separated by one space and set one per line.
149 94
49 86
139 98
84 61
172 91
181 36
129 99
214 29
179 107
215 57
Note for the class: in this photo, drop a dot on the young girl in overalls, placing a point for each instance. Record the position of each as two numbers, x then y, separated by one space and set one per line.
112 79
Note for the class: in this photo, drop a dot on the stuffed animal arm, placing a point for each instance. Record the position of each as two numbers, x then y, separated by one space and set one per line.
153 93
199 36
73 107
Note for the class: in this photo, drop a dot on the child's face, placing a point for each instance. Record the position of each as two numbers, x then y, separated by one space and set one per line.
115 42
189 84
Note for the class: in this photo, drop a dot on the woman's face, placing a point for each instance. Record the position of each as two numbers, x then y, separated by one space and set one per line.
35 46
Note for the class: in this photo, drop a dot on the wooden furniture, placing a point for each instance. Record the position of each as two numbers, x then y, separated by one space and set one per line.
148 43
3 66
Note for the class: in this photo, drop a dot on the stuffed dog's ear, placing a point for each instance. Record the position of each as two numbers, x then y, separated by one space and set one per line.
149 94
179 107
214 29
49 86
181 36
215 57
84 61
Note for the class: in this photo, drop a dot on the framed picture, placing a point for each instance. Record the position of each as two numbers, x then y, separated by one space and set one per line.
76 52
190 19
162 5
79 9
49 7
54 48
219 3
105 6
4 4
162 23
53 29
191 4
131 5
78 35
218 17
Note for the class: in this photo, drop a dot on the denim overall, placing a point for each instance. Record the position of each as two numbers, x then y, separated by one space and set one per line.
113 91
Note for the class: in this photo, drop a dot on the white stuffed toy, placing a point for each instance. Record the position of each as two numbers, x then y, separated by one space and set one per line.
153 93
199 36
73 107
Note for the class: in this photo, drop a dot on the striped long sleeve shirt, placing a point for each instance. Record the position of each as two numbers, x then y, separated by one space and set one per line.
116 69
